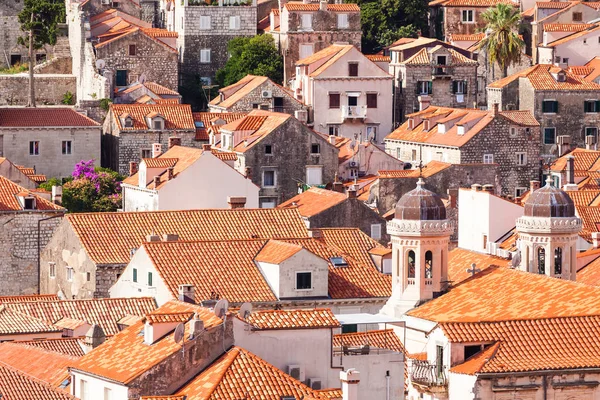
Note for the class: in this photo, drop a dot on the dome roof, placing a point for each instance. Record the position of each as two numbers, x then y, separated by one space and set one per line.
420 204
549 202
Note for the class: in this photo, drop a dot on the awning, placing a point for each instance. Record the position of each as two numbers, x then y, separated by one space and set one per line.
353 94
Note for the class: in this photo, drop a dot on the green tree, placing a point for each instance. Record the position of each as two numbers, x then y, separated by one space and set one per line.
251 55
502 43
39 20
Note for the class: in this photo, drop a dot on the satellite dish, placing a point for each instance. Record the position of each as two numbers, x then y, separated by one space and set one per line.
516 260
221 308
179 333
100 64
245 310
142 78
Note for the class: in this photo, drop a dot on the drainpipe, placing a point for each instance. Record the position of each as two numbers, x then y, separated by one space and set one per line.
545 383
387 384
39 248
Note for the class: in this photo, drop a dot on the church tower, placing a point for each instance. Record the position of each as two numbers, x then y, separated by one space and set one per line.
548 233
419 234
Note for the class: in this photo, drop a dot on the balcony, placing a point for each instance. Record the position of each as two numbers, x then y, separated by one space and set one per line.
354 112
441 71
428 377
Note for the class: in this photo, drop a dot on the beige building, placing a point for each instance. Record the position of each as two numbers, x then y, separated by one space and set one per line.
349 95
51 140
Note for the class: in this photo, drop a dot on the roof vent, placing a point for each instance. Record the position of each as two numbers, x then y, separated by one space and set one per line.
338 262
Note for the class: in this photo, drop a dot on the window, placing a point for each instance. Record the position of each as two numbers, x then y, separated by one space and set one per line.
459 87
513 132
149 278
268 178
520 191
334 130
376 231
371 100
67 147
69 274
146 153
488 158
15 59
550 106
549 135
467 16
199 124
558 261
541 259
205 56
52 269
411 264
314 175
34 148
29 203
424 87
306 22
121 77
315 148
334 100
521 158
352 100
267 202
303 280
83 390
591 106
234 22
306 50
352 69
88 276
135 275
428 264
205 22
372 133
413 155
268 149
342 21
157 124
352 328
132 50
592 131
470 351
577 17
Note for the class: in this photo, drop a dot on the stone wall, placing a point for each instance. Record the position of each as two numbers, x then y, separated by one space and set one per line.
49 89
453 21
19 246
92 109
488 73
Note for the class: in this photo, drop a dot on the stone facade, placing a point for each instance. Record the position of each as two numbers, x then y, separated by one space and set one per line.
453 22
146 10
155 60
488 73
19 244
49 89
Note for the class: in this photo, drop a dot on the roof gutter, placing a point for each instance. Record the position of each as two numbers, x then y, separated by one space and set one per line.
492 375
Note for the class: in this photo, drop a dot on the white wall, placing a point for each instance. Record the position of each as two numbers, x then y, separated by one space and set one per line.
575 50
95 388
373 369
461 386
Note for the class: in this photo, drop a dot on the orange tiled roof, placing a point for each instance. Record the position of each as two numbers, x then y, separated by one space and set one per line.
159 89
157 317
575 35
240 374
476 363
381 339
225 155
109 237
590 273
297 6
43 117
378 57
15 323
459 260
583 197
293 319
331 394
590 218
541 79
159 33
432 168
107 360
552 4
235 92
581 71
456 37
584 161
16 385
420 58
67 346
476 3
276 251
503 294
259 127
314 201
103 312
566 27
207 117
351 241
520 117
594 63
161 162
177 116
31 297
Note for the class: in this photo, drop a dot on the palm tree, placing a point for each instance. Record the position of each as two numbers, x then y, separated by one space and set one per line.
502 42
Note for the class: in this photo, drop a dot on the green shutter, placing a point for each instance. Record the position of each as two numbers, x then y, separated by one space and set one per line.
466 90
585 106
149 278
429 87
597 106
555 106
418 87
454 86
135 274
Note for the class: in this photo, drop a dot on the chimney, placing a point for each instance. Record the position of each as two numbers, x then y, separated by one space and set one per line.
533 186
174 141
337 185
170 237
196 327
187 293
350 380
564 144
169 173
315 233
156 150
453 197
570 169
156 181
351 192
488 188
133 167
332 139
152 238
494 110
57 194
236 202
206 147
248 171
93 338
424 102
323 5
596 239
476 187
590 142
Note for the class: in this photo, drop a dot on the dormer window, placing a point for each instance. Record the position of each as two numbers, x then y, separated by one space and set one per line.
426 125
221 97
411 124
157 124
26 200
460 130
126 121
441 60
338 262
155 121
561 76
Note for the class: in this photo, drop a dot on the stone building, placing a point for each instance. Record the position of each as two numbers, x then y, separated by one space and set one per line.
566 106
146 93
280 154
28 221
146 10
131 131
301 29
204 28
257 92
361 160
51 140
510 139
434 72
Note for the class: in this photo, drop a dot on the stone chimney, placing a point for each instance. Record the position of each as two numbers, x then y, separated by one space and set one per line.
93 338
476 187
133 167
488 188
590 142
495 110
170 237
206 147
351 193
315 233
350 380
169 173
156 181
196 327
534 185
174 141
236 202
156 150
596 239
570 169
332 139
57 194
564 144
453 197
323 5
187 293
424 102
153 237
337 185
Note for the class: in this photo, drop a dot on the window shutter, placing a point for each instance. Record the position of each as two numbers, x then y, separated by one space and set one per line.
454 86
418 87
465 90
597 106
429 87
556 106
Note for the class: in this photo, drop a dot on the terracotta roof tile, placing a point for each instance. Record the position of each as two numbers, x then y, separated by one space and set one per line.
159 33
590 218
161 162
32 297
276 251
584 161
205 119
159 89
583 197
575 35
475 364
259 127
293 319
552 4
225 155
109 237
15 323
177 116
378 57
477 3
331 394
432 168
314 201
331 54
237 91
459 260
590 273
456 37
420 58
43 117
351 241
16 385
381 339
552 27
239 374
520 117
297 6
541 79
67 346
103 312
158 317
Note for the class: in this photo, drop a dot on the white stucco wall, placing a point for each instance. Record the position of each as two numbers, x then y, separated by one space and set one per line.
96 388
461 386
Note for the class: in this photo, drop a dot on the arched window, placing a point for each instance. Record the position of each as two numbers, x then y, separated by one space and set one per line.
558 261
541 256
411 264
428 264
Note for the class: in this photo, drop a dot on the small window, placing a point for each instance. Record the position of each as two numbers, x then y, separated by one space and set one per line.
29 203
315 148
121 77
566 60
67 147
205 56
52 269
334 130
135 275
268 178
521 159
234 22
591 131
513 132
342 21
306 21
303 280
149 278
488 158
267 202
591 106
470 351
334 100
467 16
371 100
424 87
376 231
69 274
459 87
268 149
577 17
199 124
40 58
88 276
372 133
485 241
413 155
34 148
352 69
146 153
306 50
549 135
550 106
157 124
205 22
132 50
520 191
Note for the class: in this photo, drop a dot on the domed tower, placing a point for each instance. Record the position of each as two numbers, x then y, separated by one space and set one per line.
548 233
420 234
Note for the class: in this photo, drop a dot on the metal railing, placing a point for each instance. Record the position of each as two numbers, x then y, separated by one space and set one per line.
428 374
354 112
441 70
